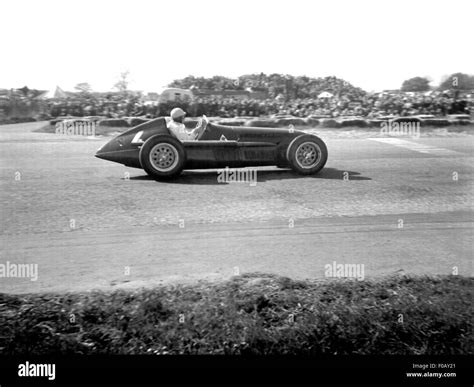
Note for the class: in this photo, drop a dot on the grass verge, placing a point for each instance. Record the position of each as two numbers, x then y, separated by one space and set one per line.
249 314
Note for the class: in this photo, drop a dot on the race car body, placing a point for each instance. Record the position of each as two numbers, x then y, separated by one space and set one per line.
153 147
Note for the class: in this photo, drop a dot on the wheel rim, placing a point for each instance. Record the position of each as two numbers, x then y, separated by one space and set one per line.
308 154
164 157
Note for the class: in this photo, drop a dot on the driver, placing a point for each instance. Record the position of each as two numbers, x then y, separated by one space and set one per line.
179 130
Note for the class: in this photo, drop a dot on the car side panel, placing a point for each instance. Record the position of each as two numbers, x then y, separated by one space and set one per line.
217 154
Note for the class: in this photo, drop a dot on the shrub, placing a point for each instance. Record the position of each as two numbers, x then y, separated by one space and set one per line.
94 118
114 122
330 123
312 121
16 120
375 123
462 122
261 123
407 119
232 122
134 121
436 122
357 122
285 122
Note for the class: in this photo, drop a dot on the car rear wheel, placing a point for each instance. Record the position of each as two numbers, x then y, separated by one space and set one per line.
307 154
162 157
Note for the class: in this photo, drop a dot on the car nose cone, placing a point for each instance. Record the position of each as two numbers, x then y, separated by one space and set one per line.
110 151
102 155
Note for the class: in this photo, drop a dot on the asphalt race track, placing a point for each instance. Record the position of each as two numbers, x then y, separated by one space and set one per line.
394 205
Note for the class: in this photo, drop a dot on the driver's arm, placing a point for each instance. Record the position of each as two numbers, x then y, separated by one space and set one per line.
200 128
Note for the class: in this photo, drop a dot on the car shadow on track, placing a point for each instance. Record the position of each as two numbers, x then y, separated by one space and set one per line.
209 177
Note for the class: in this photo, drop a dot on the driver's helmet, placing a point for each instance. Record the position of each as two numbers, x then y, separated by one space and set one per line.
177 114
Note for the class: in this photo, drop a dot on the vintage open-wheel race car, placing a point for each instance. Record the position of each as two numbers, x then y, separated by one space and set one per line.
154 148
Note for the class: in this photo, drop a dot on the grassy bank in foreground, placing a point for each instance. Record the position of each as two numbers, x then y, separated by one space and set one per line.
249 314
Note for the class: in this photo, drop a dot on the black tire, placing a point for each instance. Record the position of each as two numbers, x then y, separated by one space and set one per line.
172 159
307 154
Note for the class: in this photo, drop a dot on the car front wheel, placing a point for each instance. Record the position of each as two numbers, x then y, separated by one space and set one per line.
162 157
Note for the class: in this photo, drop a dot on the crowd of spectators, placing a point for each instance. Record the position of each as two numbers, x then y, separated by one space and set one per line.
368 106
110 106
283 95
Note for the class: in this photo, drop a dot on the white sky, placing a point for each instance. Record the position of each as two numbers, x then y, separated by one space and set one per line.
372 44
